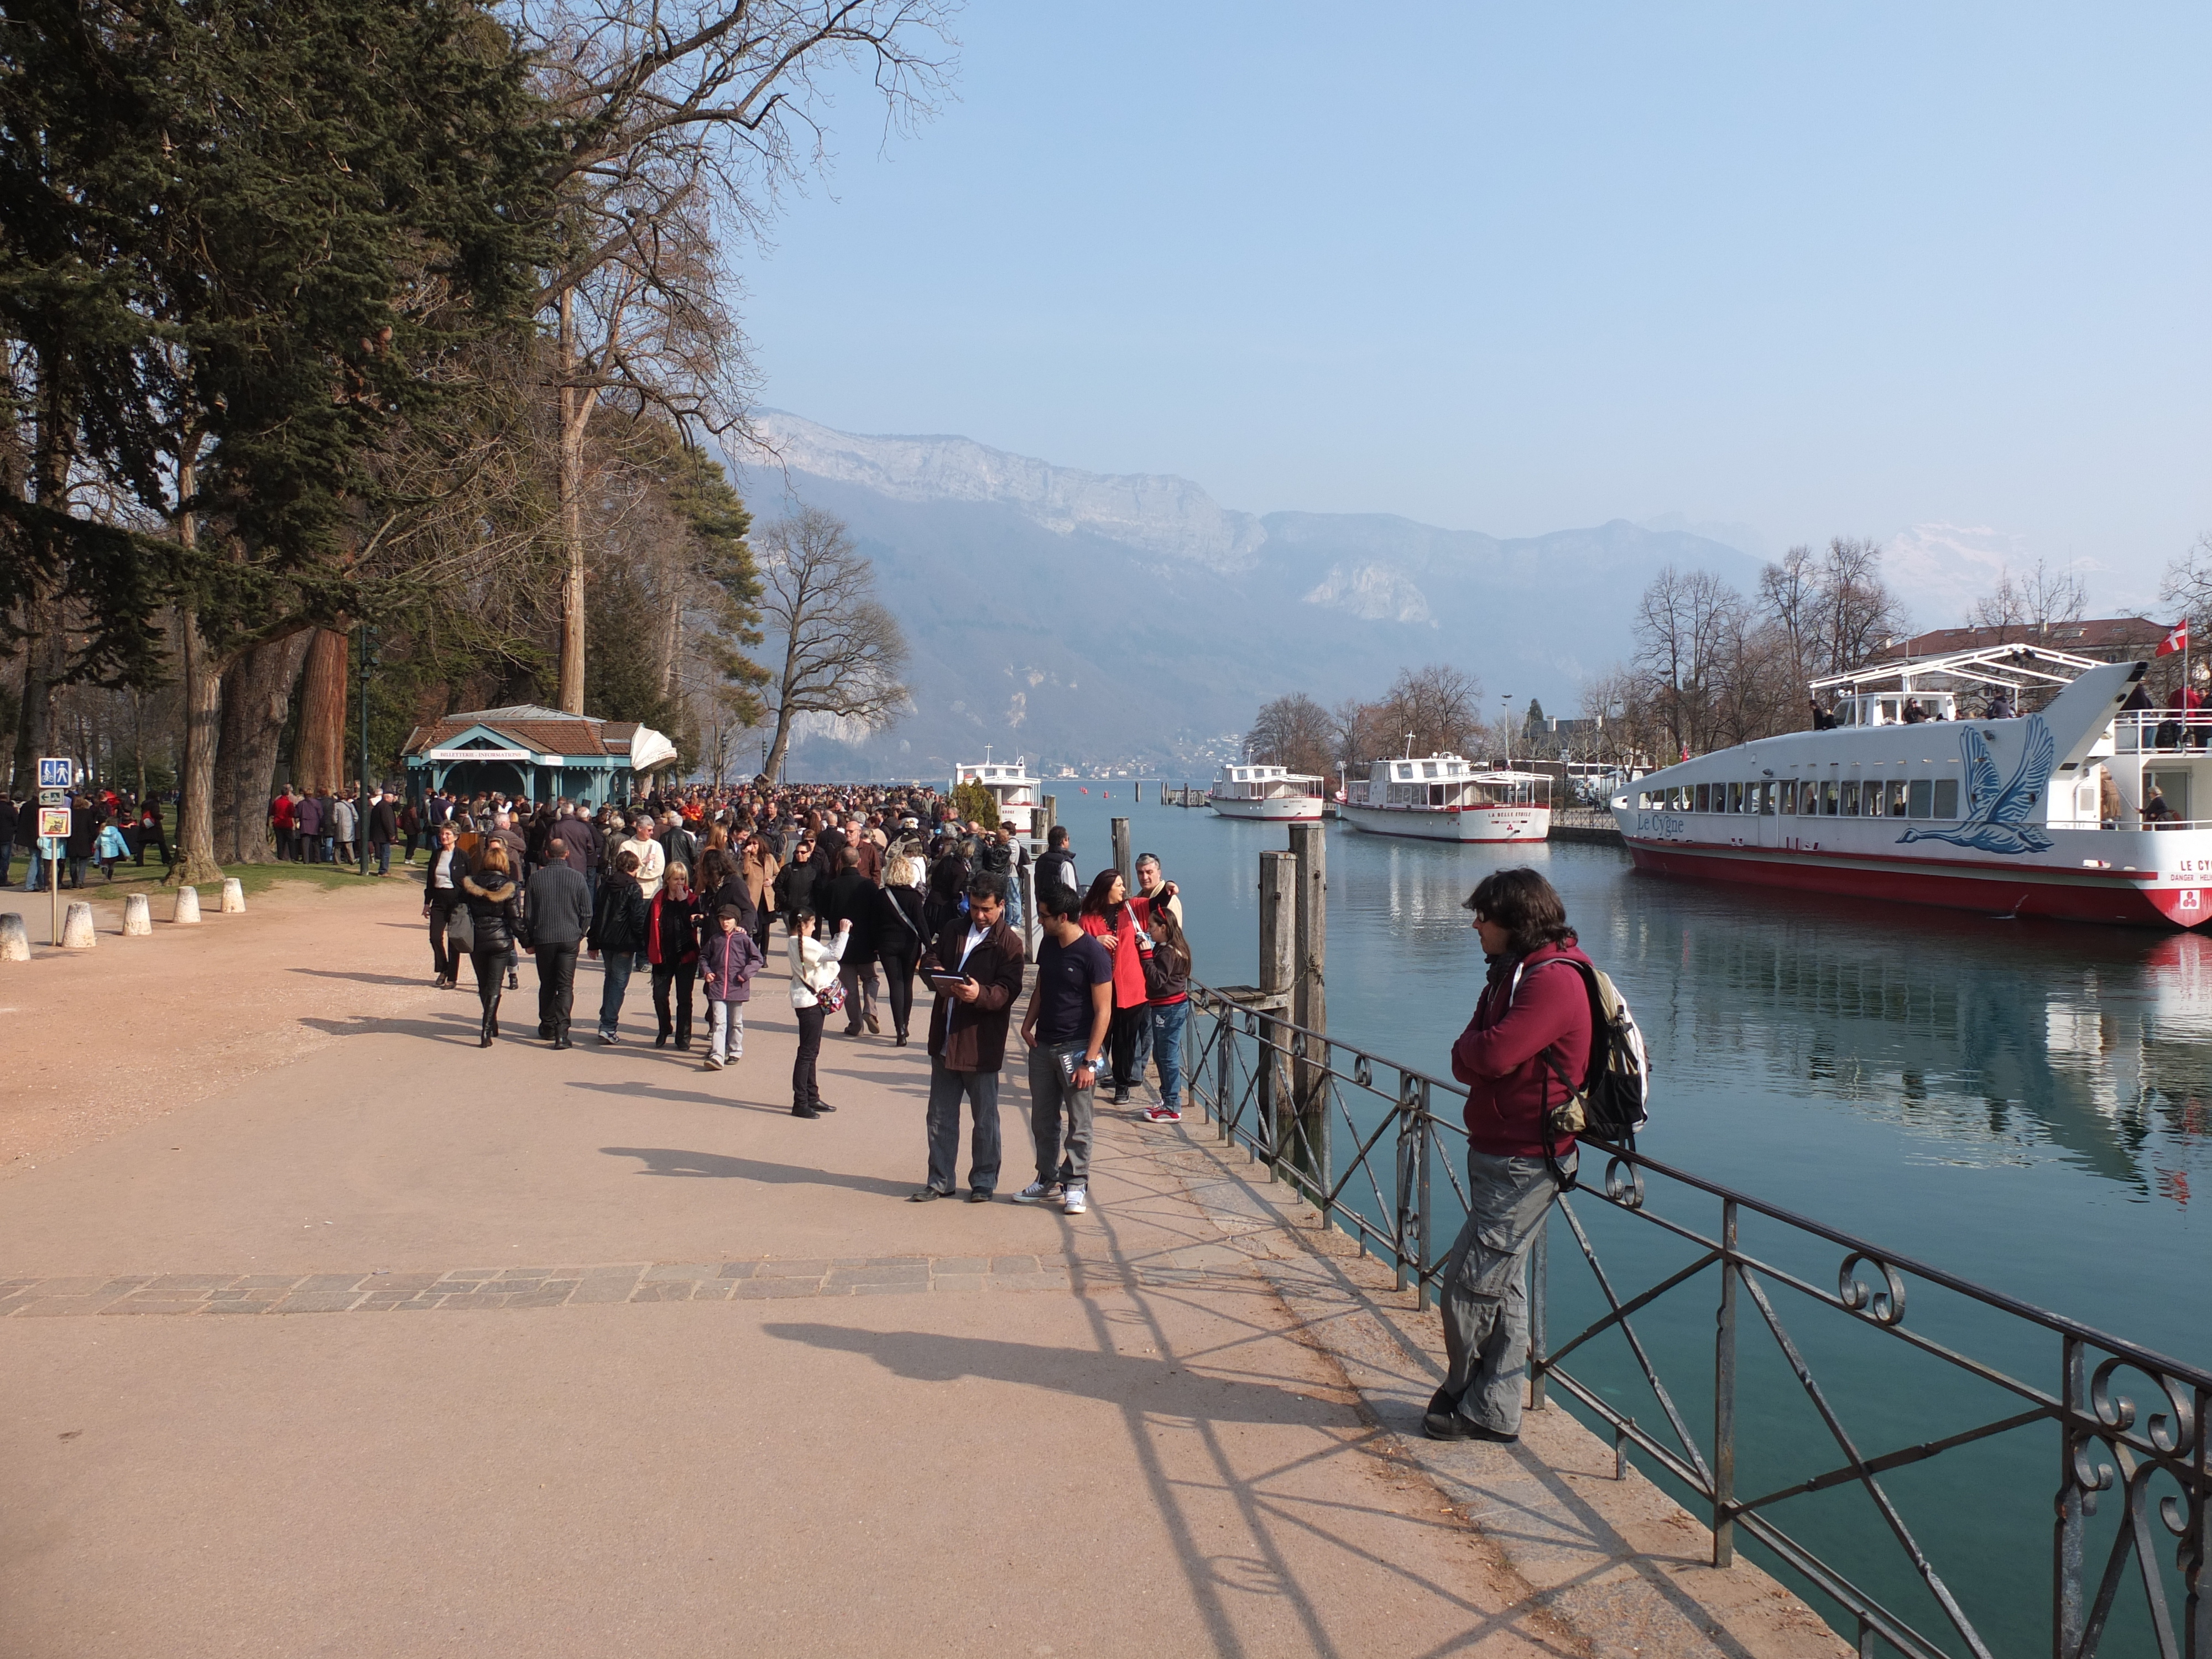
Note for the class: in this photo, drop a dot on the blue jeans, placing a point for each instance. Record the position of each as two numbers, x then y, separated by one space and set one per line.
1168 1021
617 964
384 858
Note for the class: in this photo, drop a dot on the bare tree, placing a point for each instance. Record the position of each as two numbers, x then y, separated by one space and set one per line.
843 652
2029 604
1292 731
1439 707
681 118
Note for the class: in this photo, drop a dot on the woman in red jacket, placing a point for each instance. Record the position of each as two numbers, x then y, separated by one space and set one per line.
1533 1015
1109 917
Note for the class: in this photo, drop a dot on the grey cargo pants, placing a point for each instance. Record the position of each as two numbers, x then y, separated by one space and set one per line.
1484 1293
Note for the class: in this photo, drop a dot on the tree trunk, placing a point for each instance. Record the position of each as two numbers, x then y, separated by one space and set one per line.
34 733
574 411
256 695
202 724
319 746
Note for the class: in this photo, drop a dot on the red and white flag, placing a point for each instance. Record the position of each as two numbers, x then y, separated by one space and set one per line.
2176 640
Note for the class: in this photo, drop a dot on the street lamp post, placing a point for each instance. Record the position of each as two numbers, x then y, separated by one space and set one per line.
1507 699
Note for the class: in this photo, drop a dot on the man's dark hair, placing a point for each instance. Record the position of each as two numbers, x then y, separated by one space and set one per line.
1526 906
626 862
987 884
1058 837
1055 899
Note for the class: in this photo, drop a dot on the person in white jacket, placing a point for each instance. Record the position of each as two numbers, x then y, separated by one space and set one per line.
814 968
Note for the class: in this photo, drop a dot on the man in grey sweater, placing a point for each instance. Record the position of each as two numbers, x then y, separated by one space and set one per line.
559 914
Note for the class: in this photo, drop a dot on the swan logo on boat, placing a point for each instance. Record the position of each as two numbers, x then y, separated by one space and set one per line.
1999 821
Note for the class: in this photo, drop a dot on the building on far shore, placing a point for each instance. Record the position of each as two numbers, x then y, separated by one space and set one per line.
2107 639
537 754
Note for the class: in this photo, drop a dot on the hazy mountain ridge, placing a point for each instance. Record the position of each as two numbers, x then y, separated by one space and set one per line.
1091 619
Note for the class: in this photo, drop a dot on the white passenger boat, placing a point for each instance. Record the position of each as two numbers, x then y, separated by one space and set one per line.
1446 798
2040 814
1011 786
1267 793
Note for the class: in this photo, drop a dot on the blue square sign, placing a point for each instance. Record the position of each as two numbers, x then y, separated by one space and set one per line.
55 772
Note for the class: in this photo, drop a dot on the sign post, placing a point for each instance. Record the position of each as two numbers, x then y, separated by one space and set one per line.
56 774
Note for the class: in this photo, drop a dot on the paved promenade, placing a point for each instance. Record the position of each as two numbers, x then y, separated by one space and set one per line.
869 1427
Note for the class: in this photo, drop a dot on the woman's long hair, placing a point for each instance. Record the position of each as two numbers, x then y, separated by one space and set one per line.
1526 906
492 855
1099 901
1168 935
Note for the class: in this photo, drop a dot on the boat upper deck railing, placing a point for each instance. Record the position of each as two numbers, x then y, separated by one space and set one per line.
2138 730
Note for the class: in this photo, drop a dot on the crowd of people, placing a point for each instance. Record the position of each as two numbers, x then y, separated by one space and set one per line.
107 826
875 891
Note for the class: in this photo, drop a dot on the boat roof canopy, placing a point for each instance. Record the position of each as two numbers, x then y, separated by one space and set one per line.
2019 667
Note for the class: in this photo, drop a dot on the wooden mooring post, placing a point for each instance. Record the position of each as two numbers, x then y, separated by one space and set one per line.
1128 871
1310 1008
1279 901
1048 814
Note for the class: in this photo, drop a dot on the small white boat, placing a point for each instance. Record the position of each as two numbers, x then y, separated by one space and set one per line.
1266 793
1011 786
1448 798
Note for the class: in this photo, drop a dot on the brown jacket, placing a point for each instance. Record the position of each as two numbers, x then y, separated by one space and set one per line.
972 1036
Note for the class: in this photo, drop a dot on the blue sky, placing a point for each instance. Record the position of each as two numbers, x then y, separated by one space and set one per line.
1808 270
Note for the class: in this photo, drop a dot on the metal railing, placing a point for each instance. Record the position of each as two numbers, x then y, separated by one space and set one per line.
2147 731
1285 1093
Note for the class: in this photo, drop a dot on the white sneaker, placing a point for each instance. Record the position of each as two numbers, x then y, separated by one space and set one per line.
1074 1204
1039 1192
712 1065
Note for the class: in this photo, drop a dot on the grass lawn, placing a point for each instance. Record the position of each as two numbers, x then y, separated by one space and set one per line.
254 877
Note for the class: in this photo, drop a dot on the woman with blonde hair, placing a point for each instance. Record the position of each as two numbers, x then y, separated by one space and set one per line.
901 930
495 927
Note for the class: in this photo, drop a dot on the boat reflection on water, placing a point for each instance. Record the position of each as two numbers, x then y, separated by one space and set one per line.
1982 1039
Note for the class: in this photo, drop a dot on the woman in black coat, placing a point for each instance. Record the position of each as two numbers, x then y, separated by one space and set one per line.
442 894
495 924
902 928
619 923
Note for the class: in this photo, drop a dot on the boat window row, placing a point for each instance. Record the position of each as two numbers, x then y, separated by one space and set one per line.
1831 798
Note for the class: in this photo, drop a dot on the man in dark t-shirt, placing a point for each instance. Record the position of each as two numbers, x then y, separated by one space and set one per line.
1066 1027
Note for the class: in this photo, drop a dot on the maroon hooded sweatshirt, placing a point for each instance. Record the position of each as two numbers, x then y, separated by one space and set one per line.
1501 1055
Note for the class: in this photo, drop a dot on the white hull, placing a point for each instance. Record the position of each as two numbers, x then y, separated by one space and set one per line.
1282 809
1468 823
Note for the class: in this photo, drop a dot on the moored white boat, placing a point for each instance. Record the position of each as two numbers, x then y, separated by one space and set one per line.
1266 793
1446 798
2033 815
1011 786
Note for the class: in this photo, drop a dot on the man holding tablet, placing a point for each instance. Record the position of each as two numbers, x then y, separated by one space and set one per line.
1069 1014
975 968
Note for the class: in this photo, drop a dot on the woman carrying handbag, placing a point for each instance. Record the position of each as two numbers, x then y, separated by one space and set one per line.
815 995
901 921
495 928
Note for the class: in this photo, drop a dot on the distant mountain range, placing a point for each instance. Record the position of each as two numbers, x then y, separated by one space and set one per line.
1097 621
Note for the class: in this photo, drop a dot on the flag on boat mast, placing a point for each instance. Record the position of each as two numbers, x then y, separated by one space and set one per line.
2177 640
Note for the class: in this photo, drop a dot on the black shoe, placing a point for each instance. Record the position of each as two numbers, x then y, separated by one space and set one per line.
1441 1404
661 1042
924 1194
1121 1096
562 1042
851 1030
979 1194
513 983
683 1045
822 1105
1450 1426
484 1041
900 1043
803 1110
546 1034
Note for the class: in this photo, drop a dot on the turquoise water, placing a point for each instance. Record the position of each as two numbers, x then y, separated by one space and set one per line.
2022 1103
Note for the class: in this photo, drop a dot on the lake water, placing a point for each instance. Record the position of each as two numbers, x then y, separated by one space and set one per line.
2026 1104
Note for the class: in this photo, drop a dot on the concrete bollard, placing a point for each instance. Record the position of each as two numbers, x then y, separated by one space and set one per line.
14 938
137 916
188 904
234 896
77 933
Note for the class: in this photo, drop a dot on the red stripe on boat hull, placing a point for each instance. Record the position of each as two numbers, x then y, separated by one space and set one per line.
2028 890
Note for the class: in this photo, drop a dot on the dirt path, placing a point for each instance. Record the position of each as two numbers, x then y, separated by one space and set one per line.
103 1040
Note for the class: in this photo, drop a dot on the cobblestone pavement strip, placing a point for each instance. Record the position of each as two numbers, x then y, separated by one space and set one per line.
186 1294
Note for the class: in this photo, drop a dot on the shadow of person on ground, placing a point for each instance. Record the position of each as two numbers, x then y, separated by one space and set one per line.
673 1161
1130 1381
461 1032
683 1096
366 979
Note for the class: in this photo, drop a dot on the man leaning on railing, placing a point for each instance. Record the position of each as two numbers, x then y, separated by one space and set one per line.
1525 1020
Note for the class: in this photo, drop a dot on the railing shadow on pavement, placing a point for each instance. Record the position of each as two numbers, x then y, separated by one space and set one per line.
2130 1483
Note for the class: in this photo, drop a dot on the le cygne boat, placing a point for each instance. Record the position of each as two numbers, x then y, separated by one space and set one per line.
2080 810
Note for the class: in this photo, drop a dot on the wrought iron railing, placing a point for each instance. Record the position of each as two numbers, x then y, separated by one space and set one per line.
1287 1092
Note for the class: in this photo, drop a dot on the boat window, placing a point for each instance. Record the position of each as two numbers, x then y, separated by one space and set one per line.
1704 798
1871 800
1788 790
1428 768
1895 792
1831 794
1735 797
1436 794
1767 792
1916 798
1947 798
1850 804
